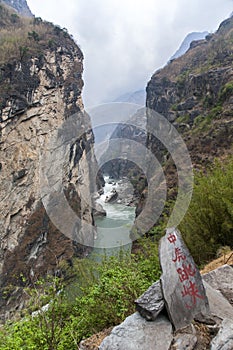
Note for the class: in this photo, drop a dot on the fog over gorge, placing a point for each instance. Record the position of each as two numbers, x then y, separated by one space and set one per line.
124 42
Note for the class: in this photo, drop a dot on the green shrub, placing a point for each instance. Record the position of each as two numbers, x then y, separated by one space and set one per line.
225 92
183 119
106 296
215 112
208 223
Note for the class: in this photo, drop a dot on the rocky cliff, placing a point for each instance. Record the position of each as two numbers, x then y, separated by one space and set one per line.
195 93
40 86
20 6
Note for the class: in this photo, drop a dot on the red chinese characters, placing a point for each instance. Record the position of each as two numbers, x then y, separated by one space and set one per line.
186 273
172 238
179 255
192 291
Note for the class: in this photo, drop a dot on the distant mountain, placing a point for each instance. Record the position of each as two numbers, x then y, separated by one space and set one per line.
137 97
187 41
20 6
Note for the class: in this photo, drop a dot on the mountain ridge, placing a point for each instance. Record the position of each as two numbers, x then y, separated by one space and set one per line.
185 45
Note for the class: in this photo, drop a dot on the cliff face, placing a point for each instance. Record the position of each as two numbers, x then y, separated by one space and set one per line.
38 93
195 93
20 6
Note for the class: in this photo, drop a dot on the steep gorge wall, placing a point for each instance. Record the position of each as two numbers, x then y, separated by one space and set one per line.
38 94
195 93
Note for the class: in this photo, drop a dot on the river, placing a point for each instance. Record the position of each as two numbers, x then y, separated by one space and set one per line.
112 232
114 229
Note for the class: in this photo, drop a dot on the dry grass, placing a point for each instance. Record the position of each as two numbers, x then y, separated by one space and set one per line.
224 259
95 340
22 37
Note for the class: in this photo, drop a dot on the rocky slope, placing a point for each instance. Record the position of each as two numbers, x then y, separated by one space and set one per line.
40 88
195 93
20 6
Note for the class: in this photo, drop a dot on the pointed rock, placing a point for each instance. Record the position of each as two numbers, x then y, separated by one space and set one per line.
182 287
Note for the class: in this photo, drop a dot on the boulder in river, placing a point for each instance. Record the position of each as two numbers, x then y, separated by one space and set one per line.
112 197
99 210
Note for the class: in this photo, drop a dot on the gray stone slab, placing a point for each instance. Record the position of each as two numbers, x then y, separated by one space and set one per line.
150 303
224 338
219 306
182 287
222 280
135 333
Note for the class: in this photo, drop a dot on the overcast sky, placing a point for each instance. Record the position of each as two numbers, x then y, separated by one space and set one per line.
125 41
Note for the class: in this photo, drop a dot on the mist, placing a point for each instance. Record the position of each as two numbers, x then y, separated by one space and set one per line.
125 42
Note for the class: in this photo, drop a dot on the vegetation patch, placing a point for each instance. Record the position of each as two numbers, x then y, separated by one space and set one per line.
102 296
22 37
226 92
208 223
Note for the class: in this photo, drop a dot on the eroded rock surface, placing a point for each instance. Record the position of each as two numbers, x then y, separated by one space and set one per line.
219 305
221 279
224 338
45 91
135 333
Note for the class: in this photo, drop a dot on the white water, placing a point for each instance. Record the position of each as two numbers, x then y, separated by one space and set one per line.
114 229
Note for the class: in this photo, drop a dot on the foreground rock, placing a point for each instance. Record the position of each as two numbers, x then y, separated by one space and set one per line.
183 290
224 338
151 303
220 307
211 331
221 279
186 339
135 333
